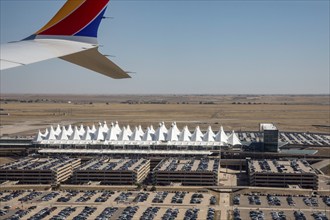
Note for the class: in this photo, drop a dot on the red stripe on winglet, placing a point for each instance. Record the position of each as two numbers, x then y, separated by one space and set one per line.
78 19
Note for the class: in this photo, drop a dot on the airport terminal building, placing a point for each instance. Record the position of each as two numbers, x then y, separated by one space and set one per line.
112 139
114 135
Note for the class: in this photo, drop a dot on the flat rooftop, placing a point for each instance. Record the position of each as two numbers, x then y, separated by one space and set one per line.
109 164
30 163
267 126
281 166
187 165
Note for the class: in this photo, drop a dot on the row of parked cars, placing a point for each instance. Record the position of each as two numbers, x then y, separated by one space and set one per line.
278 215
30 196
290 201
87 196
210 214
326 200
49 196
85 213
123 196
128 213
64 213
191 214
19 214
319 216
254 200
11 196
42 213
104 196
160 197
196 198
257 215
311 201
178 197
141 197
107 213
170 214
68 196
299 215
237 214
274 200
149 213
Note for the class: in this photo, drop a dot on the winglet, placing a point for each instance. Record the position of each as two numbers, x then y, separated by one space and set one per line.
76 20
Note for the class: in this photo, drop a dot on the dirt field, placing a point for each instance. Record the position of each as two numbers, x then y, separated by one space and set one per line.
29 113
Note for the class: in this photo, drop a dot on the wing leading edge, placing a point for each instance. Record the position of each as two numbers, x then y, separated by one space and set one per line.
70 35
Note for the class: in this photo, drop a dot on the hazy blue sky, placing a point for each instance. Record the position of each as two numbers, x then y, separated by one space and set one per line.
185 47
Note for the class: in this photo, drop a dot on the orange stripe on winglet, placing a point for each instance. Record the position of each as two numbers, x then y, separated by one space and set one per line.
67 8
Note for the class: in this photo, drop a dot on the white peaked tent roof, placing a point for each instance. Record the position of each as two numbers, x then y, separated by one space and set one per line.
58 130
136 135
63 135
75 134
163 127
209 135
99 133
197 135
51 135
112 133
99 126
173 133
140 130
105 127
123 136
152 130
128 130
233 139
93 129
221 136
88 135
38 137
81 130
185 134
117 128
69 130
44 135
160 133
148 135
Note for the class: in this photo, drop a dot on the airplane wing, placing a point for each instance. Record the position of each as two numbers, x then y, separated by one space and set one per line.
70 35
92 59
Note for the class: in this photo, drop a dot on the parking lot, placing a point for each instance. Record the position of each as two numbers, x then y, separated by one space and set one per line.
272 206
298 138
278 214
51 205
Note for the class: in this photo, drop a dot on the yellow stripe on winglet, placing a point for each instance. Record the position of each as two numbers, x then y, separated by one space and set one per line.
66 9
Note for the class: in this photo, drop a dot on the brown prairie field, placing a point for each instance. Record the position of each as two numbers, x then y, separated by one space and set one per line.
28 113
